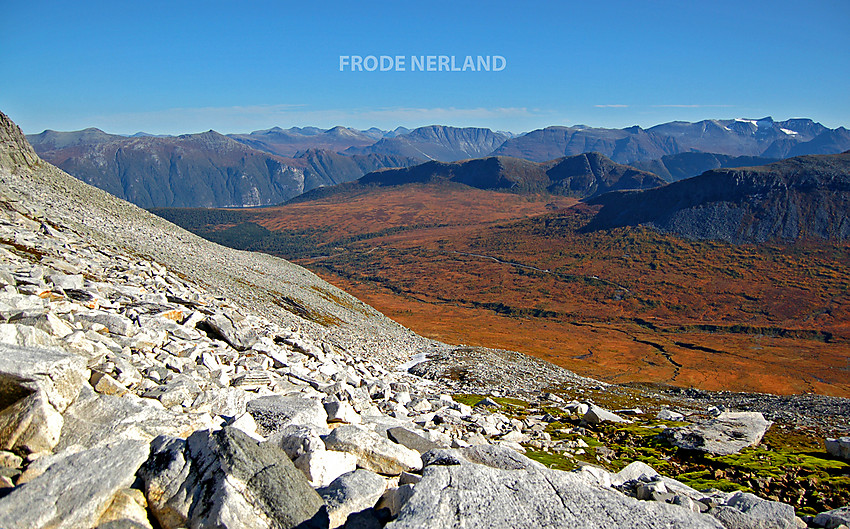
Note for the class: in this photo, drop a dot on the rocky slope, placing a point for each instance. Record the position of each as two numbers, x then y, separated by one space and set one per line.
580 176
151 379
798 198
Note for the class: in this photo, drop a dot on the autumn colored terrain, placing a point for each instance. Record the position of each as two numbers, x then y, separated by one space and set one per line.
628 305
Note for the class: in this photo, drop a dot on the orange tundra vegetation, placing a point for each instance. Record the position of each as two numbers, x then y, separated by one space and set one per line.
502 270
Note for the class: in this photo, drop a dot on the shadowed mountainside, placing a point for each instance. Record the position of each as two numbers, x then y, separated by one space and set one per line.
578 176
798 198
621 145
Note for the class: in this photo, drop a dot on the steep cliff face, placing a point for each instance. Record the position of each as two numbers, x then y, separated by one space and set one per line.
798 198
15 152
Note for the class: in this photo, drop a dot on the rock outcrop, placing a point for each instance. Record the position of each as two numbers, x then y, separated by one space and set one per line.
728 433
454 493
227 479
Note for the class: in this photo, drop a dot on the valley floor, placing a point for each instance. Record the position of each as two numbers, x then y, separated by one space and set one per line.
466 266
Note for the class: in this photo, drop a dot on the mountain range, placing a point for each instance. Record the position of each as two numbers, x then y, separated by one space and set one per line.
199 170
270 166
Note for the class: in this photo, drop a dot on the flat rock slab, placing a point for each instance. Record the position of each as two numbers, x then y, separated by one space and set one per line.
373 452
275 412
728 433
95 419
472 495
839 447
745 511
499 457
225 479
76 490
60 374
411 440
596 415
241 337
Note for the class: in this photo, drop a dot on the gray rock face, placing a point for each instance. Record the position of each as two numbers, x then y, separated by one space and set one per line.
834 518
670 415
726 434
324 466
373 452
297 440
96 419
275 412
36 386
226 479
23 335
76 490
747 511
839 447
240 337
411 440
770 513
350 493
115 323
472 495
499 457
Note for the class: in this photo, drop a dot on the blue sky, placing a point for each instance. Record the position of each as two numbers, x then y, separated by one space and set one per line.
185 66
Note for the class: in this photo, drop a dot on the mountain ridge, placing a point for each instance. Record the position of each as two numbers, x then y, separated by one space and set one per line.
796 198
579 176
438 142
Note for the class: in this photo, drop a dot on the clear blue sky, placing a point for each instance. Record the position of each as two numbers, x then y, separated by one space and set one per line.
186 66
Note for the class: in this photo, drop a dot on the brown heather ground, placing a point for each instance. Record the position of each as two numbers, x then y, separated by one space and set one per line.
620 306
